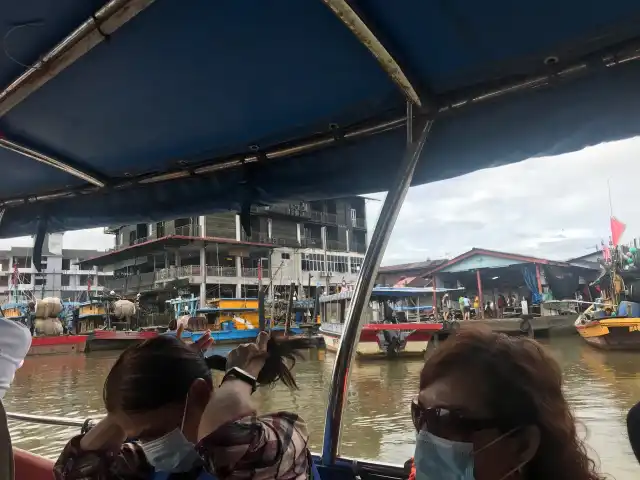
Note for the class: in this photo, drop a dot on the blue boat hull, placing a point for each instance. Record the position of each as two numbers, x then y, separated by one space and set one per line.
234 337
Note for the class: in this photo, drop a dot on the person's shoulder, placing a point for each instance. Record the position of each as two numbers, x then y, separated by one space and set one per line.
274 443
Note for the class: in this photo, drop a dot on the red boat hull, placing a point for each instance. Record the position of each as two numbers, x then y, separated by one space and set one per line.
58 344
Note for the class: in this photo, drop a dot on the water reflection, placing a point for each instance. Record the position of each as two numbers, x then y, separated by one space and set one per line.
600 386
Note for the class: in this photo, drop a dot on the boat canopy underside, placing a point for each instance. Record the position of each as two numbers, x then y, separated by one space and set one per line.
170 108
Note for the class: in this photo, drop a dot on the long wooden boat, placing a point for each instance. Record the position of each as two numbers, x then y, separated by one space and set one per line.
384 340
351 93
611 333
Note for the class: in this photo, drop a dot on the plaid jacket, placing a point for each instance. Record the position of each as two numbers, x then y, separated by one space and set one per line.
270 446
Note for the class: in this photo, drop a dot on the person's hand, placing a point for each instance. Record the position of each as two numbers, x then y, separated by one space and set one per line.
204 342
250 357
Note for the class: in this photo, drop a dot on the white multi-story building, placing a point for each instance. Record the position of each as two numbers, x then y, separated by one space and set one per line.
61 276
315 244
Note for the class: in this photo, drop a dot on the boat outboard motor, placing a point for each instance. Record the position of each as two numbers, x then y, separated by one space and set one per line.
633 429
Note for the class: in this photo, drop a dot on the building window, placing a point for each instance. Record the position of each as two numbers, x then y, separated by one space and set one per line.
66 264
356 264
22 262
313 262
337 263
285 256
40 281
64 280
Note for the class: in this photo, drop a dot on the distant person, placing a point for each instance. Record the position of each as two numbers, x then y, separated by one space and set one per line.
476 306
488 312
502 303
461 304
525 306
466 304
446 306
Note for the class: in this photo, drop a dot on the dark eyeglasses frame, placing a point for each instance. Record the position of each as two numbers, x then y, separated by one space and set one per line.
440 420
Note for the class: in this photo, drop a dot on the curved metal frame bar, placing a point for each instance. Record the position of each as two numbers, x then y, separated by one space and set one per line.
364 286
93 31
50 161
361 30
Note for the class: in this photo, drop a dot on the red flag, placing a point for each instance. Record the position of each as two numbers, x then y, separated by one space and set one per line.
260 271
88 284
617 229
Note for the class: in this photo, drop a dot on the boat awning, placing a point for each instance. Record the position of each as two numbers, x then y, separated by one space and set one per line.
389 292
145 110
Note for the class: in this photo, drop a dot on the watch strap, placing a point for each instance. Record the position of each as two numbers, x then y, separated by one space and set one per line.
239 374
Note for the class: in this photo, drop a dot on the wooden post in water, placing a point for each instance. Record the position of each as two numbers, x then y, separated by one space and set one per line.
287 322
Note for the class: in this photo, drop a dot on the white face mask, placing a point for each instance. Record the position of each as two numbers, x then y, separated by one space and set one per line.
441 459
172 452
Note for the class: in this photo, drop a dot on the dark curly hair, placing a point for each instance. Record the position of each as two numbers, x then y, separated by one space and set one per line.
524 385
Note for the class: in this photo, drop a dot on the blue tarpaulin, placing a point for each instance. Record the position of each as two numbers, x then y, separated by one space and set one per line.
183 83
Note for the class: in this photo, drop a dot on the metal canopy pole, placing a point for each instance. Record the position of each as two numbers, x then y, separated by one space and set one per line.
364 286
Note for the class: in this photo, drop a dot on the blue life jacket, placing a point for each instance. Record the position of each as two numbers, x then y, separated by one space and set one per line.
204 475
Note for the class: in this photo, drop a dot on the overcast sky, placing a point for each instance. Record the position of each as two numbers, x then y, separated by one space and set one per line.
554 207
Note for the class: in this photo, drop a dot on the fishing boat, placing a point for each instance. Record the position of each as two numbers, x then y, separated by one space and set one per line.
613 323
386 331
356 92
232 321
43 344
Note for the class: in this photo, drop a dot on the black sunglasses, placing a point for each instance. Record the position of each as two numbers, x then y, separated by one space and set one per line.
446 423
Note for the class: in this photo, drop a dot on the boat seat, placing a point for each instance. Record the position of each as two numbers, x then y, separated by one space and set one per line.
29 466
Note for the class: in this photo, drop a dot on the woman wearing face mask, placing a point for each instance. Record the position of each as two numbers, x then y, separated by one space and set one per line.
491 407
161 394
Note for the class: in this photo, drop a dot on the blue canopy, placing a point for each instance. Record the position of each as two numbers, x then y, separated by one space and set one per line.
139 110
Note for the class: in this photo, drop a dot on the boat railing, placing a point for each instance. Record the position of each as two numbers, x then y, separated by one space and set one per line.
332 327
250 272
52 420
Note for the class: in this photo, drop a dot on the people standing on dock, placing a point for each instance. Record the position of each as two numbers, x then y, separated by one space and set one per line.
492 407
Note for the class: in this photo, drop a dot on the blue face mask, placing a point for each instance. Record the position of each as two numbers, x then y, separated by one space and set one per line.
172 452
441 459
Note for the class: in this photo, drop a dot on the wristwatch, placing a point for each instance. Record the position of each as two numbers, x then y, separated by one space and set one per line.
239 374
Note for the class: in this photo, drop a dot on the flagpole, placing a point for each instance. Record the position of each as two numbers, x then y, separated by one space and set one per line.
610 202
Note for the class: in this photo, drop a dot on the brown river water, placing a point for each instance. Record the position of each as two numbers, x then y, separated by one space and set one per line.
601 387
